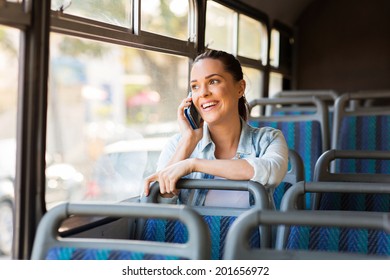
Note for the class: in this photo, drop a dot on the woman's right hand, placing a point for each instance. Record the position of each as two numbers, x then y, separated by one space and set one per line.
184 125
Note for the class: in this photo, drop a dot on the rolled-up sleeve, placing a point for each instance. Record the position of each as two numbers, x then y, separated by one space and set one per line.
167 152
271 167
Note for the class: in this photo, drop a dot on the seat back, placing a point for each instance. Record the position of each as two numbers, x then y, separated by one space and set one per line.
49 244
294 174
359 172
315 235
361 128
327 96
337 196
307 134
218 219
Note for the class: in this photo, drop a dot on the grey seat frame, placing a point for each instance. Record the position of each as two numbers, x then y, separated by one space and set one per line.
320 114
261 199
238 235
47 235
342 108
294 194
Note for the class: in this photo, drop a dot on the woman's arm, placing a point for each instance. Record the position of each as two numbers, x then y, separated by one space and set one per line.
177 150
234 169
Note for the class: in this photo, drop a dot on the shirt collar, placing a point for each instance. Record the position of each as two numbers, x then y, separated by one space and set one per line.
206 139
244 145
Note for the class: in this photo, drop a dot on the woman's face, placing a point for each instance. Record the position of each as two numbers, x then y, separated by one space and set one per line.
214 91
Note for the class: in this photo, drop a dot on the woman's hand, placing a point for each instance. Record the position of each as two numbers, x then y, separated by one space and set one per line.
168 177
185 128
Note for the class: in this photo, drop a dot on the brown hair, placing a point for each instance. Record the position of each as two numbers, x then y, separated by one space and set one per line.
233 66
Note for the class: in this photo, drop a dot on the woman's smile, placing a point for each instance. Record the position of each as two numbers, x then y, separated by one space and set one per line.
209 105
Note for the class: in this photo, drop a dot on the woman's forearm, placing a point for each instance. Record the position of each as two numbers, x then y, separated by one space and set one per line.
231 169
184 149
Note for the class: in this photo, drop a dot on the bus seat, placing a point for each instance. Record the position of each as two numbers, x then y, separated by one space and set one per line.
327 96
217 222
361 128
356 172
218 219
333 235
337 196
365 241
307 134
48 243
294 174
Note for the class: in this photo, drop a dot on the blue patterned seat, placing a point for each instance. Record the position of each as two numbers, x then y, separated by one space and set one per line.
361 129
294 174
217 219
356 166
49 245
362 197
360 149
66 253
314 235
331 239
305 132
174 231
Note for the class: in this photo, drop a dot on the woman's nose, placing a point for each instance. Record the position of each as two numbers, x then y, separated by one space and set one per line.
204 91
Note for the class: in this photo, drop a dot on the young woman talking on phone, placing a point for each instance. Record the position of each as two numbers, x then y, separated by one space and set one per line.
224 146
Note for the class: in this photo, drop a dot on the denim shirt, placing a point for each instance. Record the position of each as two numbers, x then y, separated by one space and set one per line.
264 148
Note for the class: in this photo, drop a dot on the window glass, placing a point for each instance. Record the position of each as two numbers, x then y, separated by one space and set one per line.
165 17
275 83
252 41
220 22
254 85
9 53
111 110
274 48
116 12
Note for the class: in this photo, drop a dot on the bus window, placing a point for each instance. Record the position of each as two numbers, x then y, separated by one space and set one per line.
274 48
254 82
252 39
9 53
245 37
275 83
280 59
111 109
113 12
220 22
165 17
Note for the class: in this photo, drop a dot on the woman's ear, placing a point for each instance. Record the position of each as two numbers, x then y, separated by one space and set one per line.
242 86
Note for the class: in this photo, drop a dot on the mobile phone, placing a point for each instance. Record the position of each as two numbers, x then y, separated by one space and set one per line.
192 115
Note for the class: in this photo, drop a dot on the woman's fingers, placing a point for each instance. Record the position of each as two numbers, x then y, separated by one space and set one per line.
147 183
166 184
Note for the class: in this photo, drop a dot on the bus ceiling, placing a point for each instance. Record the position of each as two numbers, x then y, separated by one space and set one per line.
285 11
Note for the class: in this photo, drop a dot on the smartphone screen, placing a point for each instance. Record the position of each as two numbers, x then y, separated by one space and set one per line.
192 116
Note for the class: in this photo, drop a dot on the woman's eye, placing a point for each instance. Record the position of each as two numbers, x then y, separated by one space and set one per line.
194 87
212 82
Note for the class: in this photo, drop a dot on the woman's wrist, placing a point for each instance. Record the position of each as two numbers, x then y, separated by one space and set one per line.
188 142
193 164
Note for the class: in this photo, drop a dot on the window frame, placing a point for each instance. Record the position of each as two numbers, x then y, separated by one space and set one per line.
241 8
287 73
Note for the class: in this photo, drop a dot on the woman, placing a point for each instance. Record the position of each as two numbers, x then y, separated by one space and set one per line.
225 146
